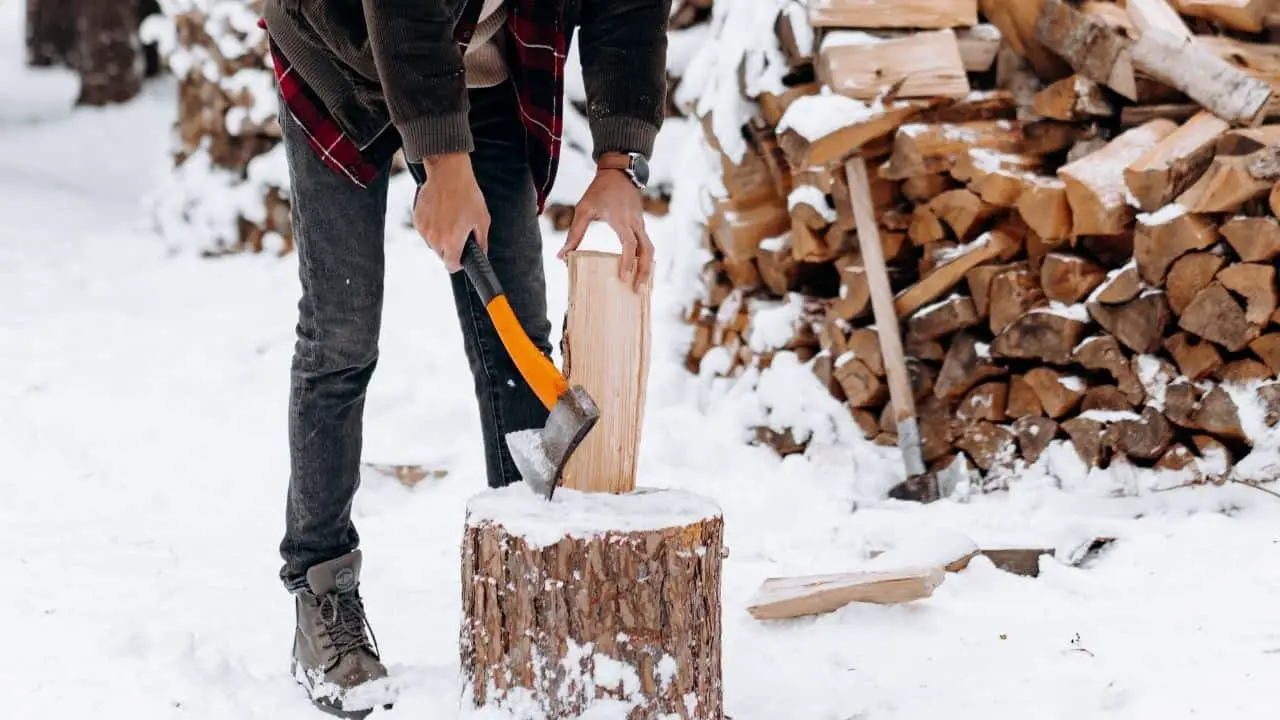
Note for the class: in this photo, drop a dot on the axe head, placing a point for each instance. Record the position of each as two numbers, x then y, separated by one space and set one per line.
540 454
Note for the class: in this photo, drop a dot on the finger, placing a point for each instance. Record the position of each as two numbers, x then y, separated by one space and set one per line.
452 252
627 264
645 256
482 233
583 214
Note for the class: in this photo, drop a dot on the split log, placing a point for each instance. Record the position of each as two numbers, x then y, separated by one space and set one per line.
898 14
1122 285
1243 15
987 444
979 46
1246 141
1017 22
1175 163
786 598
642 627
1156 15
919 190
1073 99
1267 347
1214 458
1105 397
1011 296
1091 45
967 364
832 146
1086 437
979 282
1243 371
1165 236
925 228
965 213
925 64
1139 323
795 36
1196 359
1255 239
1188 66
1046 209
985 402
1145 438
945 276
922 149
1190 274
1218 415
862 388
1257 284
1022 401
1102 352
1096 184
864 343
1034 435
943 318
1180 399
1225 186
1059 394
606 351
1216 316
1069 278
738 234
855 293
778 269
1042 334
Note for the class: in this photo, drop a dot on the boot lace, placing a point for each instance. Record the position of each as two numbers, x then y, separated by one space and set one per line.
346 624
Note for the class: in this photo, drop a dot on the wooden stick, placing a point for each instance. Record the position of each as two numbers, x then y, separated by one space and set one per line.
895 363
606 351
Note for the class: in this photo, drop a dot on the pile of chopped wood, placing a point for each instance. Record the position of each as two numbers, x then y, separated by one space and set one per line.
1078 204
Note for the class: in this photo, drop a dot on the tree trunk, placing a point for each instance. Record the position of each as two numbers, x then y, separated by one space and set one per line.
593 600
51 33
109 55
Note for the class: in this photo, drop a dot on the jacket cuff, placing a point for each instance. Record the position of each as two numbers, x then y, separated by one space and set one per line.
436 135
622 134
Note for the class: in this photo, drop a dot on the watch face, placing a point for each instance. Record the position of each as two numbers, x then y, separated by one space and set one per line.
640 167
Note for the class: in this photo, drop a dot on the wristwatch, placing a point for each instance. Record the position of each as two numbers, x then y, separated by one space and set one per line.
635 165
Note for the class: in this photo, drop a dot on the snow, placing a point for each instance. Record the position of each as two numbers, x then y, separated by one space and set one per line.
814 117
523 513
143 397
1163 216
959 251
813 197
773 324
1076 312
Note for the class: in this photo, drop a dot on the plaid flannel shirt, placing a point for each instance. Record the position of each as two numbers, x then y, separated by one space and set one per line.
535 61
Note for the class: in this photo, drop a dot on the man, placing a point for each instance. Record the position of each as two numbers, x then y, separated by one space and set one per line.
472 90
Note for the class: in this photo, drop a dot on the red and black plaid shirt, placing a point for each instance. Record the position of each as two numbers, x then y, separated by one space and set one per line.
536 64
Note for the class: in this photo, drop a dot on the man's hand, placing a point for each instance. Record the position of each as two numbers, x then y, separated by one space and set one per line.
612 197
450 207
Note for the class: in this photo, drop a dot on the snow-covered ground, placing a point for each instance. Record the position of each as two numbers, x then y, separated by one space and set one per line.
143 466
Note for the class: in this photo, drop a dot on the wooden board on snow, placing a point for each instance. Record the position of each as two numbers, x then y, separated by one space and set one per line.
783 598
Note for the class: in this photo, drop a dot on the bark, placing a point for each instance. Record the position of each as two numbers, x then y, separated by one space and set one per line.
108 56
51 33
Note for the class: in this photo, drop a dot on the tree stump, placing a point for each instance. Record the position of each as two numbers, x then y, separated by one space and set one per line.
593 600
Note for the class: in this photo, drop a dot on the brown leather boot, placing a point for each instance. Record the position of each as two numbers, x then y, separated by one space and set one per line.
335 656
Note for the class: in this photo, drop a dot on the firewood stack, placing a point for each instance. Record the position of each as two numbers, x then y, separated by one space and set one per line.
1078 202
231 184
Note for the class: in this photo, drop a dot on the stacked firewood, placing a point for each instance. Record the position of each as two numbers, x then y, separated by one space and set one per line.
1078 205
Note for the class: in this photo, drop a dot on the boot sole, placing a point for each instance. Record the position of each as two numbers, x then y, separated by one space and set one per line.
300 678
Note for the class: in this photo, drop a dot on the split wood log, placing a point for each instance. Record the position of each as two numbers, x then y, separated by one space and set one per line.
593 598
964 212
979 46
1011 296
919 190
1139 323
1246 141
862 388
1256 283
988 444
1102 352
1225 186
1196 359
967 364
1156 15
1041 334
1216 316
1244 15
1244 370
979 282
1017 22
943 318
1105 397
802 151
1165 236
1190 67
1214 458
923 149
1086 437
1093 47
925 64
925 229
1059 394
1096 183
1073 99
1122 285
1218 415
1255 239
1023 401
1069 278
773 107
1046 209
1144 438
1175 163
898 14
1034 435
795 36
985 402
606 351
778 269
785 598
1190 274
738 234
864 343
855 292
1267 347
946 275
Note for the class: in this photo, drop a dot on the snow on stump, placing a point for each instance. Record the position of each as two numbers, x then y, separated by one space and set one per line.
593 599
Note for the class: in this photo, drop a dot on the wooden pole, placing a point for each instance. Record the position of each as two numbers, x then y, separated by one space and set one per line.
606 351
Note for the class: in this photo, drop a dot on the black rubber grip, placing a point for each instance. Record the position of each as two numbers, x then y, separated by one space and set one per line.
476 264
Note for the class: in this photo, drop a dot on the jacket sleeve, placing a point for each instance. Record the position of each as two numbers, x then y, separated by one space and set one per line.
422 75
623 46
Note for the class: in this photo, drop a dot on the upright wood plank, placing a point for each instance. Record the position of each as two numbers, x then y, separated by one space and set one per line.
606 351
930 14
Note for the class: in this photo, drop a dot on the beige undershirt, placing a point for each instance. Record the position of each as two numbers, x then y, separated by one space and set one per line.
484 59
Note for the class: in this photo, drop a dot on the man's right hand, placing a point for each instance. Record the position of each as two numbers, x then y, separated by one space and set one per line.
450 207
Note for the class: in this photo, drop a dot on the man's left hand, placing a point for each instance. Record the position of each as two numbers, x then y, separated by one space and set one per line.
613 198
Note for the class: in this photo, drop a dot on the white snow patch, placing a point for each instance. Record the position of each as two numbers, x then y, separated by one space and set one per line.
1163 216
813 117
773 324
1109 416
814 198
1071 312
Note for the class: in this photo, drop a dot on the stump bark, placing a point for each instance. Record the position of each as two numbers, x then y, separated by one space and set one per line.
593 599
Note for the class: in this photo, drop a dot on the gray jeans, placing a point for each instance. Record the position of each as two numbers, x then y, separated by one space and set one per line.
338 229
